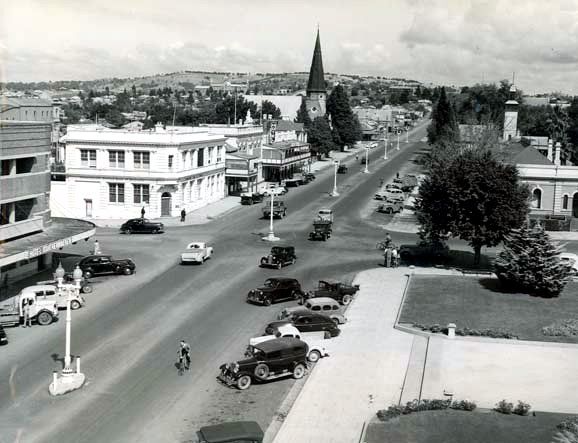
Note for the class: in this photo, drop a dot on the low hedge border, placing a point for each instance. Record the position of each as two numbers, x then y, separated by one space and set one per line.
424 405
492 333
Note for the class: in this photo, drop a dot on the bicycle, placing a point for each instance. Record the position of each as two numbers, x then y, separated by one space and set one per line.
184 363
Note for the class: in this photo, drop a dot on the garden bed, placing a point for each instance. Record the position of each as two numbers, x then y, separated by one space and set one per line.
459 427
480 303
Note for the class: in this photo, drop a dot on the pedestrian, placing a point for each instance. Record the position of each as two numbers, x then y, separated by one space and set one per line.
387 263
25 313
142 212
96 248
394 257
381 182
397 175
387 240
183 215
356 157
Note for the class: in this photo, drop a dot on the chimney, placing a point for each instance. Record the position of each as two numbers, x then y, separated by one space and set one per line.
557 155
550 154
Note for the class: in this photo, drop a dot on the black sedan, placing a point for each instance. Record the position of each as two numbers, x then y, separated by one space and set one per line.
141 226
308 322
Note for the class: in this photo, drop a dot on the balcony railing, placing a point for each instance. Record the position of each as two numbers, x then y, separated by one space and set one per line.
20 228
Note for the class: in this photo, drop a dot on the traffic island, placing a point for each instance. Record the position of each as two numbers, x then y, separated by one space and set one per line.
68 381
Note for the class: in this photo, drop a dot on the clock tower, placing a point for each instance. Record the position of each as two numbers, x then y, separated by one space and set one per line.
511 116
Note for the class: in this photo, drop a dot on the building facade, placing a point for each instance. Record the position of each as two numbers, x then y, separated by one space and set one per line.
115 173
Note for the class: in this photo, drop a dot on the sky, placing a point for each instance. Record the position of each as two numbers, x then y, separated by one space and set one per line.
451 42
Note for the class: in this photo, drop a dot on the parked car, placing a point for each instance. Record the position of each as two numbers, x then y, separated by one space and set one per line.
310 322
251 198
275 289
321 305
52 294
85 286
337 290
393 194
390 207
279 256
279 209
3 337
196 252
393 186
363 160
233 432
342 169
141 226
105 264
322 230
270 360
309 175
43 312
292 182
275 190
571 260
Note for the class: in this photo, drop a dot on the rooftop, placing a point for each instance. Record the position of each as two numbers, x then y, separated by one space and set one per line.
517 154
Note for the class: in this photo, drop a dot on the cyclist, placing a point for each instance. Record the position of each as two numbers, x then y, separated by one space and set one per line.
184 352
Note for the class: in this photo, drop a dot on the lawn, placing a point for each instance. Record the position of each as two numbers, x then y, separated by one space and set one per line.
461 427
479 303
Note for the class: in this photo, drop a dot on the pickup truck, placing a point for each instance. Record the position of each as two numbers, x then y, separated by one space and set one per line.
44 312
196 252
314 340
52 294
279 209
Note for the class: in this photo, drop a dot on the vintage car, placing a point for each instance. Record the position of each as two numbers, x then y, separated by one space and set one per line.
278 257
251 198
231 432
269 360
292 182
105 264
337 290
309 322
43 312
393 194
342 169
85 286
571 260
321 305
196 252
275 289
274 189
141 226
52 294
322 230
390 207
279 209
3 337
309 176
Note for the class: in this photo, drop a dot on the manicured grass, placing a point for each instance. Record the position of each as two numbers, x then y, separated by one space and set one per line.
461 427
479 303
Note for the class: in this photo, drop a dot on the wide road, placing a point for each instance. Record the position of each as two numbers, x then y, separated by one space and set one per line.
129 332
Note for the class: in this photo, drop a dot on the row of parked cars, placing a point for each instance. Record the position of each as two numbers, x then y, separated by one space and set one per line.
250 198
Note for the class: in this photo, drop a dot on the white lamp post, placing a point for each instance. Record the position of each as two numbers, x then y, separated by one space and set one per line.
407 135
366 170
385 146
334 193
397 140
271 235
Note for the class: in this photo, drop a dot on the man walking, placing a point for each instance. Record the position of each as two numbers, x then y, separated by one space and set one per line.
142 212
183 215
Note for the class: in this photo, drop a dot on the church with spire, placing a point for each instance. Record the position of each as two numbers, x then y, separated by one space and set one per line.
316 98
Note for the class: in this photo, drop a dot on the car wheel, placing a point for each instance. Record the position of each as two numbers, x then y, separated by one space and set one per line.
326 335
335 320
156 231
87 274
299 371
314 356
87 289
284 213
346 299
261 371
74 305
263 261
295 295
279 265
244 382
127 271
389 211
44 318
267 302
128 231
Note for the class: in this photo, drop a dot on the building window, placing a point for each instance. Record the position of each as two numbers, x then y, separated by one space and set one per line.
219 154
184 154
116 192
209 156
141 194
142 160
88 158
171 157
536 198
200 157
116 159
565 202
6 167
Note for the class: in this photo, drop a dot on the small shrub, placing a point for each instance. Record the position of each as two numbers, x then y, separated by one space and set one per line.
522 408
567 431
504 407
464 405
492 333
389 413
562 328
424 405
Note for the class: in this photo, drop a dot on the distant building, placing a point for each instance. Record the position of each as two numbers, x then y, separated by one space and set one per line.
511 117
26 109
287 104
114 173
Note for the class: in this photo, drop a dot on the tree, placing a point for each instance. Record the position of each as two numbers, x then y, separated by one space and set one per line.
444 126
471 196
269 108
344 121
320 137
530 262
303 115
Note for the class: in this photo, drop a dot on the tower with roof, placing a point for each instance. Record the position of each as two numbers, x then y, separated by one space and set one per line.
511 116
316 91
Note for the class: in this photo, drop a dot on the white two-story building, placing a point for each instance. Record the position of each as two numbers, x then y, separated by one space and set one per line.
113 174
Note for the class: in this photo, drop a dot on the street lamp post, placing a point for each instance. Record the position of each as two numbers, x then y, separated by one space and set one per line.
397 140
271 235
385 146
335 193
407 135
366 170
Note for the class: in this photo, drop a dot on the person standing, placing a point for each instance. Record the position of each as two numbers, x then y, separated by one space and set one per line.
394 257
96 248
25 313
387 263
142 212
183 215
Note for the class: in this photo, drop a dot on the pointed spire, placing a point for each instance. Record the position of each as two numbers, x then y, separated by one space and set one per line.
316 77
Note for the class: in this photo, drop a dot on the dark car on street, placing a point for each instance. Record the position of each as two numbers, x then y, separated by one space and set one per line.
310 322
252 198
141 226
270 359
342 169
3 337
309 176
279 256
231 432
337 290
105 264
274 290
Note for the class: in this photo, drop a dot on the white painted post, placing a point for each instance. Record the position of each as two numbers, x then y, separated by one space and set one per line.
452 330
366 170
78 365
385 148
67 358
398 140
334 193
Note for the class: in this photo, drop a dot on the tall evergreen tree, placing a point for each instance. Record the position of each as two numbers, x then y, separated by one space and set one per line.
303 115
344 121
320 137
269 108
444 126
530 262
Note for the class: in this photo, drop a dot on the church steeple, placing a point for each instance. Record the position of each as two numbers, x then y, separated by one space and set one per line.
316 92
316 81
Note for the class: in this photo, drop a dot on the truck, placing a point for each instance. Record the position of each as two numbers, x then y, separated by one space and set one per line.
314 340
53 294
43 312
325 214
279 209
196 252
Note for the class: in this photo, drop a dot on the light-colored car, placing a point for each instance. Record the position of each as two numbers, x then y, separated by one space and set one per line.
572 260
196 252
274 190
393 194
52 294
320 305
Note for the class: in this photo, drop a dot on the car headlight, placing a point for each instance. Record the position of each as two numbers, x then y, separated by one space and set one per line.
235 367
